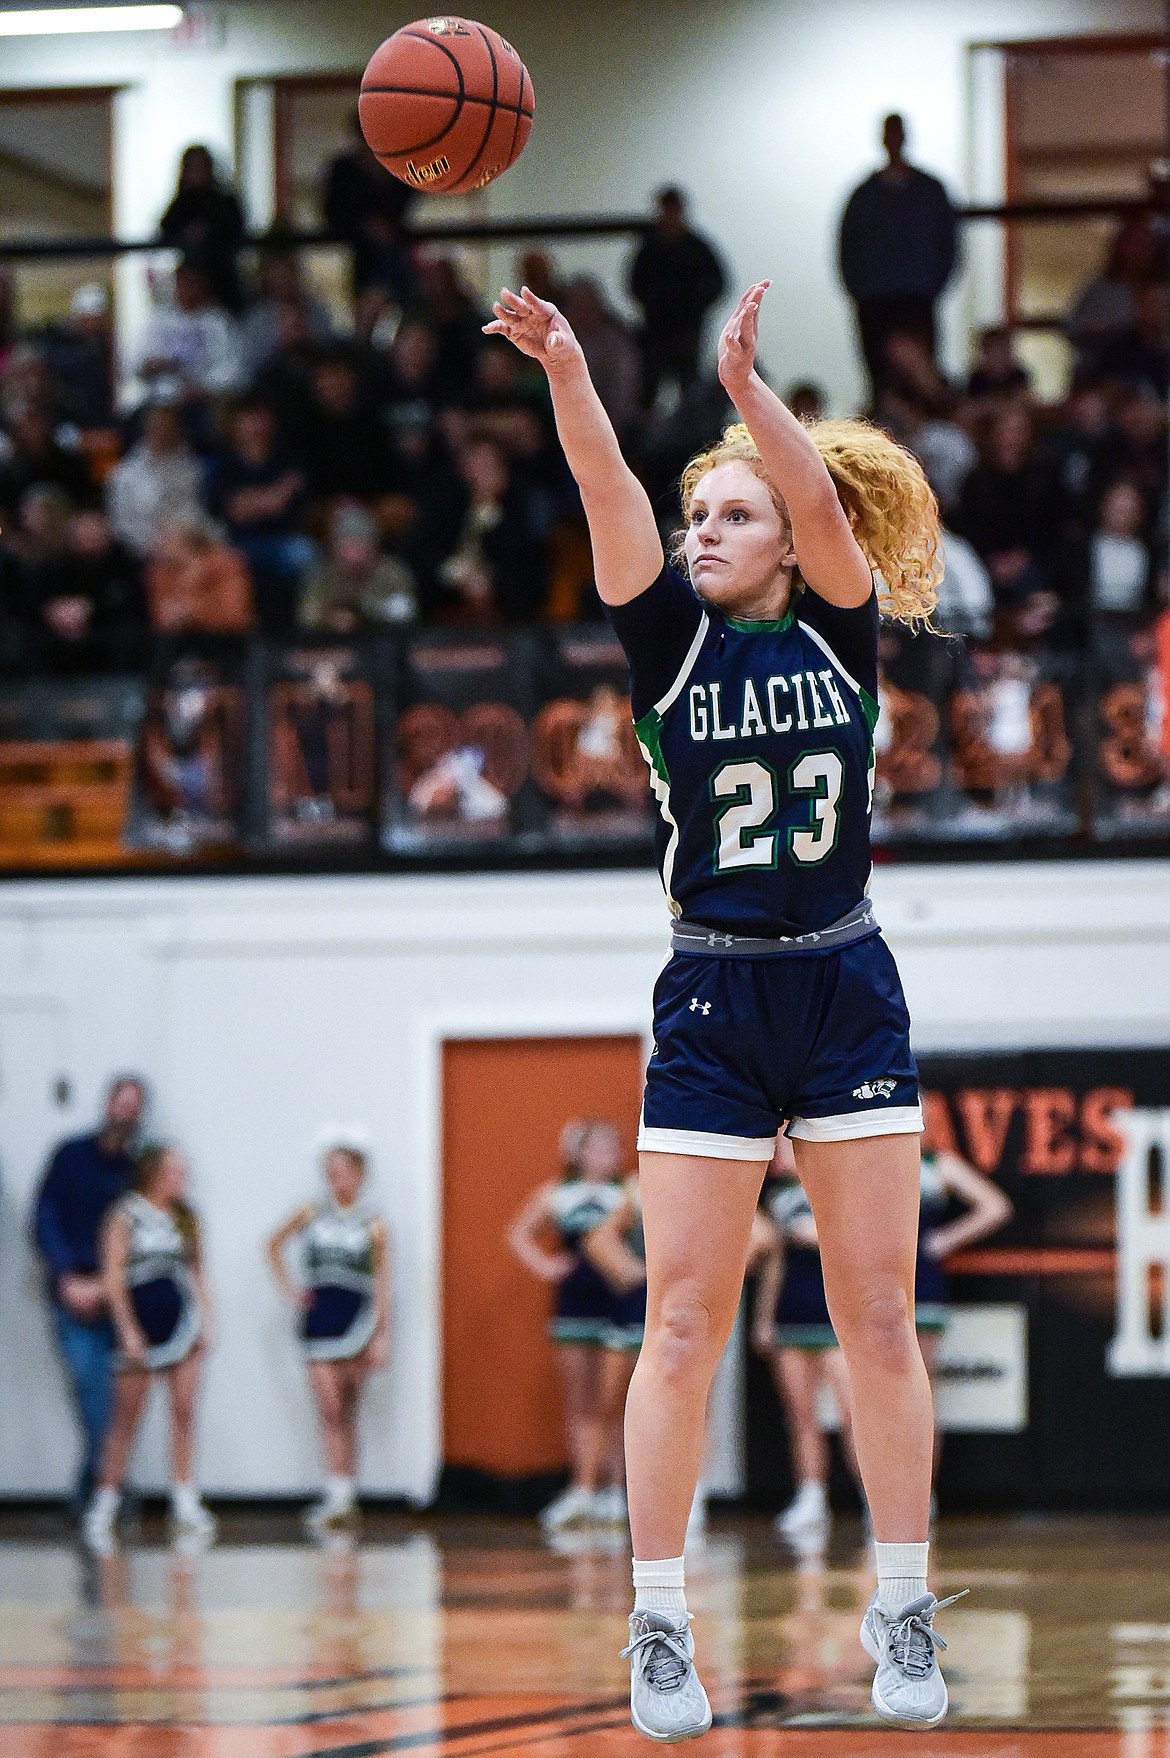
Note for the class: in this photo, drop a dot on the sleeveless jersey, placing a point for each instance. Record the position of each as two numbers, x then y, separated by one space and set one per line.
157 1251
578 1206
759 739
159 1281
337 1248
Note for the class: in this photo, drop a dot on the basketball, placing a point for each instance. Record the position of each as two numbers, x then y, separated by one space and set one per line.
446 105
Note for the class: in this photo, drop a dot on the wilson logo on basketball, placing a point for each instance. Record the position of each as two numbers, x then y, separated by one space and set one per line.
447 27
427 173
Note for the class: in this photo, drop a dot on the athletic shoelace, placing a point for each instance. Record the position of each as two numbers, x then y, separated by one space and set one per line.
911 1641
667 1669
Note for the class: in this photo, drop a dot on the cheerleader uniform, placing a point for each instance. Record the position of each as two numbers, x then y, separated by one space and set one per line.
159 1281
627 1325
337 1263
584 1298
930 1277
802 1316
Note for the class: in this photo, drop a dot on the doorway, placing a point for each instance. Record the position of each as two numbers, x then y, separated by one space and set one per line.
505 1102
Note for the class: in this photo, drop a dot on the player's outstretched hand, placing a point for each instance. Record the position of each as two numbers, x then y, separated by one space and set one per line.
536 327
737 344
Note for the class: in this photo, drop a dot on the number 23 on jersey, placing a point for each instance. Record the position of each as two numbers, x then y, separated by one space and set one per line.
745 832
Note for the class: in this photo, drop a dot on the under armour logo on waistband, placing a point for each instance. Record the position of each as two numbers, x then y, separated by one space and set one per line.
714 939
697 1006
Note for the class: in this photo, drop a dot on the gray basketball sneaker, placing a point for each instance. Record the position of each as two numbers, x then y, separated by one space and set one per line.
908 1688
667 1702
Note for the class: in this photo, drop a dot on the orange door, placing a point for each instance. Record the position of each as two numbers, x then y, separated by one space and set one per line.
505 1102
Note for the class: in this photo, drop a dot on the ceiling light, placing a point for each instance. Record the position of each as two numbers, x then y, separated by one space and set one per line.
57 21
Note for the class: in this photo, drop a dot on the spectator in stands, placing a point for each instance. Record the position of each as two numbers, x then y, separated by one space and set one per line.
285 381
611 353
966 602
28 383
457 321
496 571
1141 419
84 1177
807 400
205 223
158 481
32 458
1009 513
280 287
257 491
1112 575
942 446
676 277
1140 353
537 271
501 402
192 349
368 209
896 251
356 587
1084 450
1107 305
997 374
80 355
345 445
84 605
197 583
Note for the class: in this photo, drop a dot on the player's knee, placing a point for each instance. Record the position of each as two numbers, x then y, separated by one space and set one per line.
879 1326
683 1337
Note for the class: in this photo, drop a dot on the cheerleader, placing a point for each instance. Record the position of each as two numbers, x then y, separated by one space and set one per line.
151 1263
946 1182
582 1320
616 1248
792 1331
342 1294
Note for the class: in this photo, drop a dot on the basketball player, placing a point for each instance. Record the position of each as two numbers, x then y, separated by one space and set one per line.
753 661
342 1294
152 1265
571 1207
792 1331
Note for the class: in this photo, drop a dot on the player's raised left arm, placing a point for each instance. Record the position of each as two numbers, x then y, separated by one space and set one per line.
829 556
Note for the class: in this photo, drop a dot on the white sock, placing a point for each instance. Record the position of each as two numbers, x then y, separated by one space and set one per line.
901 1574
105 1504
658 1587
185 1499
339 1492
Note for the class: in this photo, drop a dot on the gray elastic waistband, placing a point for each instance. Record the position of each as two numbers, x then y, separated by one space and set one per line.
693 938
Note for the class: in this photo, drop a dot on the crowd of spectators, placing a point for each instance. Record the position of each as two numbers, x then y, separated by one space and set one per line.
256 467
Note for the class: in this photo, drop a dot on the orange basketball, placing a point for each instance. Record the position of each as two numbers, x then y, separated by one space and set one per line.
446 104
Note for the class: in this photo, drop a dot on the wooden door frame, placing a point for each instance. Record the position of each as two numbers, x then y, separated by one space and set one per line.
11 96
1084 45
487 1022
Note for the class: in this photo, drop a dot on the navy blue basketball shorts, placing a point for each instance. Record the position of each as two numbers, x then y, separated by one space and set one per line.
820 1041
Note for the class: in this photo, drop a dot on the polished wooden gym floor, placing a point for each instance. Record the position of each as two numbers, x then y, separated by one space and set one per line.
468 1637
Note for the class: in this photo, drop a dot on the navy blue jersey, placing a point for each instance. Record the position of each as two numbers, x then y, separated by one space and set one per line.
759 737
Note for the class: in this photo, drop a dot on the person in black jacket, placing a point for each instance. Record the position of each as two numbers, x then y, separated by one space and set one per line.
83 605
676 278
367 208
896 251
204 222
497 570
84 1176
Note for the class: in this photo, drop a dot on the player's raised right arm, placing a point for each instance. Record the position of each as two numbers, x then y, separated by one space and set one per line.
627 550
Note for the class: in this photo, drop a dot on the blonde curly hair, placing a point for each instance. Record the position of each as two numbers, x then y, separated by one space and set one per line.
890 506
